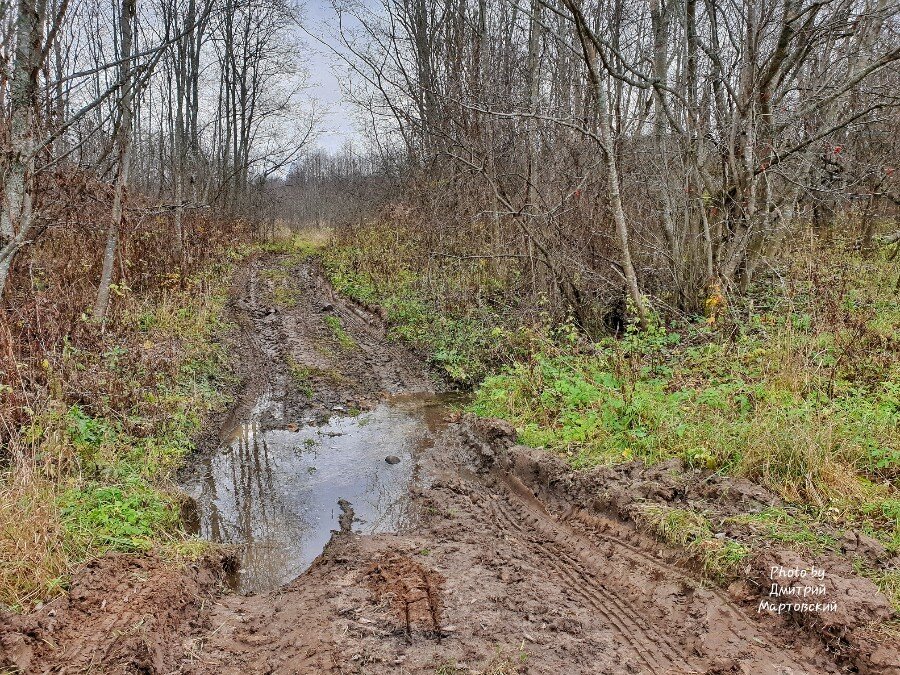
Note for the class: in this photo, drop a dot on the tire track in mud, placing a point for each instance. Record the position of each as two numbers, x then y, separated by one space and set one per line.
590 530
551 539
579 582
595 569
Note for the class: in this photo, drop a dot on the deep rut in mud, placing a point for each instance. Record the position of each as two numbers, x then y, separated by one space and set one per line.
510 562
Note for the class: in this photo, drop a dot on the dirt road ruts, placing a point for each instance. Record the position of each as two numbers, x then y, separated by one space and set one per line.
515 563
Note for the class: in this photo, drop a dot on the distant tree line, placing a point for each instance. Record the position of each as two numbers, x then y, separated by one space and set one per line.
326 189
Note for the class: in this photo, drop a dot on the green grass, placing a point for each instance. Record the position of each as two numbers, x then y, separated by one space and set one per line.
102 467
284 293
796 531
337 330
125 517
302 376
594 410
286 297
887 580
719 558
451 316
299 245
720 406
118 501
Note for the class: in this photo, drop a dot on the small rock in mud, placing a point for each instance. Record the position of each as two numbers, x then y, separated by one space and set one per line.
392 459
327 307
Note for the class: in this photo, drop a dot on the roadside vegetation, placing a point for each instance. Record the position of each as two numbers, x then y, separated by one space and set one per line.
719 558
98 481
794 385
662 233
452 317
97 417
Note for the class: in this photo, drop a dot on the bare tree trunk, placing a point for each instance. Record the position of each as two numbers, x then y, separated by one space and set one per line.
615 202
659 13
16 217
612 171
123 142
531 139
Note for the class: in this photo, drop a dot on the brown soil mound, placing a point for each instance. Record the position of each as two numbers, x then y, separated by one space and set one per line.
123 613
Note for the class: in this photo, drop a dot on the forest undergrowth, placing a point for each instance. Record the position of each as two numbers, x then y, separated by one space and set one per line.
96 418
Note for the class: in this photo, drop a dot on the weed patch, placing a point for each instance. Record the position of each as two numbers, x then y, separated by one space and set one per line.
719 558
302 376
795 531
887 580
95 459
337 330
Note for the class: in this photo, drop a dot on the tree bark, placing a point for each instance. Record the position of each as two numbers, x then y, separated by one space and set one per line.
123 142
612 171
16 217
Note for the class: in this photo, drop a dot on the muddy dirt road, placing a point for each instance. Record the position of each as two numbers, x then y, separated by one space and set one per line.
468 555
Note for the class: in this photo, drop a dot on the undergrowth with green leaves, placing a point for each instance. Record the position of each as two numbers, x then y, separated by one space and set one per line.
99 475
798 392
454 318
795 385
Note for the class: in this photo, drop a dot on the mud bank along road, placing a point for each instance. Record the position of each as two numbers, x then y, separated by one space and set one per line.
468 555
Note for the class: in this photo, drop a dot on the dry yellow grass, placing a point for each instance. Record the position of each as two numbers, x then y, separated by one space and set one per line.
33 559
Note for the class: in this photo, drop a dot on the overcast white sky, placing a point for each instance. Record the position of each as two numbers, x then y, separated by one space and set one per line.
324 69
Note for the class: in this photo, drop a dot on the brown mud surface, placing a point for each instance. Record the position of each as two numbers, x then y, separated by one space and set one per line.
515 563
276 338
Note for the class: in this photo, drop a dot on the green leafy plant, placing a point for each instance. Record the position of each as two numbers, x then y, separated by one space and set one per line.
123 517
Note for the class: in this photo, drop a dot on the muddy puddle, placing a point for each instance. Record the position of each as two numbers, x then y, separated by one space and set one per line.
275 493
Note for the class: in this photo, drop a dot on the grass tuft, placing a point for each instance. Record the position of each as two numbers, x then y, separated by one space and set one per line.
720 558
337 330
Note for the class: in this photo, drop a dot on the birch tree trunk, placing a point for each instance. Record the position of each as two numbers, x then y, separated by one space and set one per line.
612 172
16 218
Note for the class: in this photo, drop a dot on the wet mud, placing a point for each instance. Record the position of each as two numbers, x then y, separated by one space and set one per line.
470 554
276 494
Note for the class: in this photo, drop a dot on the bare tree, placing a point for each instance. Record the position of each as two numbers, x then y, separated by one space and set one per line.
658 151
124 103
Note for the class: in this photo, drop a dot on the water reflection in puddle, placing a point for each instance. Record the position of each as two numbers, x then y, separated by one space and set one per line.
275 493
